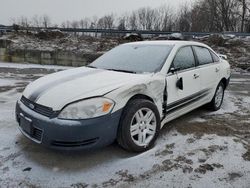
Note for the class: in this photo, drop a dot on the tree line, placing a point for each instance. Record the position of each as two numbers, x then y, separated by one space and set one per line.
201 16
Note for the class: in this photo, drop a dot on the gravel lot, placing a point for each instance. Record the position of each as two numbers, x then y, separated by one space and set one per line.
200 149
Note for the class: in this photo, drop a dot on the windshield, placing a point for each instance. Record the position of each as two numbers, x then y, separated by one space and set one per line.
134 58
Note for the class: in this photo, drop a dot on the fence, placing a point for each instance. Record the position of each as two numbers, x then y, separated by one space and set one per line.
116 31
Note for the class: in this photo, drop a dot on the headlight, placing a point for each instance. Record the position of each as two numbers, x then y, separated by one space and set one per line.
89 108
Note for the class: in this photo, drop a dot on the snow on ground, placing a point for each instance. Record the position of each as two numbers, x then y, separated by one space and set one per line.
238 71
28 65
203 156
228 105
198 119
7 82
239 80
178 161
190 170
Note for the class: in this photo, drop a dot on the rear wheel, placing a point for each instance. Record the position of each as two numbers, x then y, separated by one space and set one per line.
139 126
217 101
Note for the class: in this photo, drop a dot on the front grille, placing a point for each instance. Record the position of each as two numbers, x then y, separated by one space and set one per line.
46 111
37 134
74 144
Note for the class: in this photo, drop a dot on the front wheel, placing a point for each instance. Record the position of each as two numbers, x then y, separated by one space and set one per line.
217 100
139 126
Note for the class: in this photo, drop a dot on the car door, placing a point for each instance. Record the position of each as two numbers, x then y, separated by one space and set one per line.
209 67
183 80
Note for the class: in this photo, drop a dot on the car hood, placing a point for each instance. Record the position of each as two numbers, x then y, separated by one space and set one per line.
58 89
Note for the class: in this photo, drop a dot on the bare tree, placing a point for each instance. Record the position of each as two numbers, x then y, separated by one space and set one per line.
216 15
74 24
226 11
46 21
244 9
142 18
36 21
63 24
106 22
109 21
122 23
93 22
24 22
133 21
164 19
201 16
84 23
184 20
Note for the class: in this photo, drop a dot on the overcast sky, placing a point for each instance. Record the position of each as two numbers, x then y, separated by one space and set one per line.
62 10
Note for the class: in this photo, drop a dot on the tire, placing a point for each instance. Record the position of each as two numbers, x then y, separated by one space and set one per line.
217 100
139 126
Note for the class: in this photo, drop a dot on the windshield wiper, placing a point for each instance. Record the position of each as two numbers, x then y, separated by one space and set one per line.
118 70
91 66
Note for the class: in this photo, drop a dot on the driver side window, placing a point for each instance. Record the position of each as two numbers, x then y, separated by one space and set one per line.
184 59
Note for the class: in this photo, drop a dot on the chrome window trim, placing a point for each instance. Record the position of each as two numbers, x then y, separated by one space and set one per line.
207 65
182 71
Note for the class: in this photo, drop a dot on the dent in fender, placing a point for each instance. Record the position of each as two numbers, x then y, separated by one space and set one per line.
153 89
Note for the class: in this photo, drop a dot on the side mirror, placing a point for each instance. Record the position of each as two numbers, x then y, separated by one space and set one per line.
179 84
173 70
223 56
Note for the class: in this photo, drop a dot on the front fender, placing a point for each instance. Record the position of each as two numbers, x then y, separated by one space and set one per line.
153 88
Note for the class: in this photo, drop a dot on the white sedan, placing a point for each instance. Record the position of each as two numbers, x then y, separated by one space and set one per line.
128 95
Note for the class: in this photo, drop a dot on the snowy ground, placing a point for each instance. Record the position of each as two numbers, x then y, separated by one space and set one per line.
201 149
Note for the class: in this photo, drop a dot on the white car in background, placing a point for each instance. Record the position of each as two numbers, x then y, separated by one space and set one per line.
128 95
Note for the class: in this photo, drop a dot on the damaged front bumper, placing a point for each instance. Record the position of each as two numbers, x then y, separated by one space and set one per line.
67 134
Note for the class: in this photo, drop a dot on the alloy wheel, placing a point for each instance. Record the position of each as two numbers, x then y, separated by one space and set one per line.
143 127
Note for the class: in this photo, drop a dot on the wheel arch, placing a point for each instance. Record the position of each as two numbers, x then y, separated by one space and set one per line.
141 96
224 81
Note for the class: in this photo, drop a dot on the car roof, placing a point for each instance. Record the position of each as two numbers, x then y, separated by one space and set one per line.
168 42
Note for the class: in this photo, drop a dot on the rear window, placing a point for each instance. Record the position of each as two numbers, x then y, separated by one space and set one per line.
203 55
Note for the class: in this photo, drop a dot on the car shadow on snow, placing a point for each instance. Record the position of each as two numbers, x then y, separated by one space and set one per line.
69 160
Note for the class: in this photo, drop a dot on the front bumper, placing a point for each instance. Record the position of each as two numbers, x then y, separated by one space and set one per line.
228 81
68 134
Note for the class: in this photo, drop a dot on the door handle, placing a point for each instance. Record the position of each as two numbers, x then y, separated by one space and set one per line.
217 69
196 76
